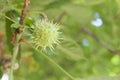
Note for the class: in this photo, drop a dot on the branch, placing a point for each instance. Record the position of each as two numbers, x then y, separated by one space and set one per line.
102 43
22 21
24 10
60 17
16 38
1 48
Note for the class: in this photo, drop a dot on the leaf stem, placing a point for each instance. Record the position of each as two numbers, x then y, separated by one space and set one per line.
15 51
59 67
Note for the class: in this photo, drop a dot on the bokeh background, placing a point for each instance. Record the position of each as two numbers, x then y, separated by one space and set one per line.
90 47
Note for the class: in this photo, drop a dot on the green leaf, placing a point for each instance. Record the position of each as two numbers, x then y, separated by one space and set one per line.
12 14
29 21
15 25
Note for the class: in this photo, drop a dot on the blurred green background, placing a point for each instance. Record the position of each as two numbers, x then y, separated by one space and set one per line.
91 40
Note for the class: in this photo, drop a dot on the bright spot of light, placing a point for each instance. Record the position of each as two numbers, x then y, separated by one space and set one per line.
5 77
96 15
16 66
85 42
98 21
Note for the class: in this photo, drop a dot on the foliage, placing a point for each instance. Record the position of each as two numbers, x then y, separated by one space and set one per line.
87 51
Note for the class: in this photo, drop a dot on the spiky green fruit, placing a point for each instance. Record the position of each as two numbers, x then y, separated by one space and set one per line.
45 34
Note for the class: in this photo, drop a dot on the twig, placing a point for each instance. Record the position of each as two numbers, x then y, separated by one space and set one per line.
22 21
24 10
1 48
89 32
15 51
17 37
44 16
54 63
61 16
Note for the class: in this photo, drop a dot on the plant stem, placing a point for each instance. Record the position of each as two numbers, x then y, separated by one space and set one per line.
15 51
17 36
53 62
